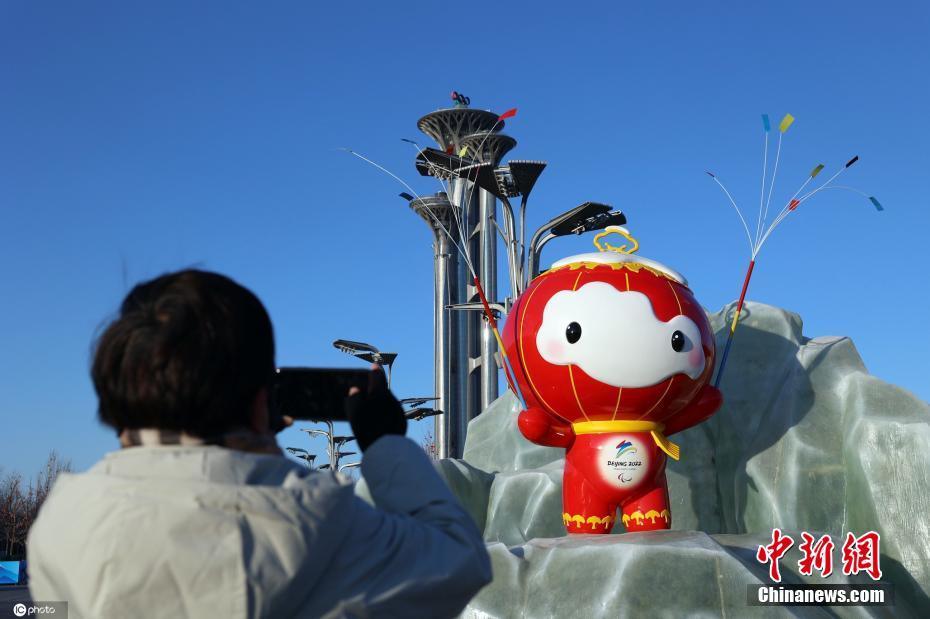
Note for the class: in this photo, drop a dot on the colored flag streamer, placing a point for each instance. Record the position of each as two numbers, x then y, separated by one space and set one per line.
508 114
764 229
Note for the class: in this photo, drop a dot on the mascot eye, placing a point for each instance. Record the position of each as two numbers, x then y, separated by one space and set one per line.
573 333
678 341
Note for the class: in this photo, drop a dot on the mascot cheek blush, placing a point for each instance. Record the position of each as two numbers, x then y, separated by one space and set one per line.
612 354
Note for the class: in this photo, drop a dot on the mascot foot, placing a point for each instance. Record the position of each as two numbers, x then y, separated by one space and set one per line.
648 512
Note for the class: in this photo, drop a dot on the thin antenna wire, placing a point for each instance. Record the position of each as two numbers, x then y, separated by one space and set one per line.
468 196
765 164
429 210
733 202
774 174
788 210
853 189
432 166
509 113
485 139
781 213
511 375
455 197
459 224
811 194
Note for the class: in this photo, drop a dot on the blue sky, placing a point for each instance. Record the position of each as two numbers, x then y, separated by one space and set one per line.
139 138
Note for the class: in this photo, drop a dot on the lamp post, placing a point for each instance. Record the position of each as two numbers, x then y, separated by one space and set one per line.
368 352
414 402
340 455
328 433
303 454
417 414
583 218
338 442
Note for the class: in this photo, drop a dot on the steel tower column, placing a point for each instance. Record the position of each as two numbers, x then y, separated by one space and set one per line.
468 381
488 275
446 273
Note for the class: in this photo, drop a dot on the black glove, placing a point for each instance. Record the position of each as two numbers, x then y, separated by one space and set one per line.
375 413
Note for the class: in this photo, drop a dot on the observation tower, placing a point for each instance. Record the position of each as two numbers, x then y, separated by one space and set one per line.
465 349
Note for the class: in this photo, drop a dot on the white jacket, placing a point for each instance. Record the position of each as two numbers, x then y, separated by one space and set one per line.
201 531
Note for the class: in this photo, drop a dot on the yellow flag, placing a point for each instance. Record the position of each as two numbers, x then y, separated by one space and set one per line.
463 151
786 122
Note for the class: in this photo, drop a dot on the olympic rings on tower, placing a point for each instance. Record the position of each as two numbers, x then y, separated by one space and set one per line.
460 100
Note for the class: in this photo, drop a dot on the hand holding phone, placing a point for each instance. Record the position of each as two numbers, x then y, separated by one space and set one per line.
374 412
314 394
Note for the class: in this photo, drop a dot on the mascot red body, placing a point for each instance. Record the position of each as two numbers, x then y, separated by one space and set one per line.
612 354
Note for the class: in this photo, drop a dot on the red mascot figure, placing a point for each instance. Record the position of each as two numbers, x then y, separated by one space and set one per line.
613 354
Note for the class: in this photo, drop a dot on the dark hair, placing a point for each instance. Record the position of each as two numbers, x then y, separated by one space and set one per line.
189 352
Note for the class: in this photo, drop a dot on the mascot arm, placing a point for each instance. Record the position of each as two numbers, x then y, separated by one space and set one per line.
702 407
539 427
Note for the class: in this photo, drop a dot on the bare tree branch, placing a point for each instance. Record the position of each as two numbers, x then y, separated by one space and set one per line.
20 503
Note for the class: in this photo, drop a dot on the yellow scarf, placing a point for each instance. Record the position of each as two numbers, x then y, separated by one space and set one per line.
655 429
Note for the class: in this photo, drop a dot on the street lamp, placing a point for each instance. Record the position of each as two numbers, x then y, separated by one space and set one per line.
339 455
517 178
524 175
328 433
303 454
339 441
416 401
417 414
583 218
500 184
369 353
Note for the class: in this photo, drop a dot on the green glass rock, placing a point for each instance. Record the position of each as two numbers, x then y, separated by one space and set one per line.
806 440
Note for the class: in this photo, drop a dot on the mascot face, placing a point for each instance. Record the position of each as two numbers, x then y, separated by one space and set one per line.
614 337
609 336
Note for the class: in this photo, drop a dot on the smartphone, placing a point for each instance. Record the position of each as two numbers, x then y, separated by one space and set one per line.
315 394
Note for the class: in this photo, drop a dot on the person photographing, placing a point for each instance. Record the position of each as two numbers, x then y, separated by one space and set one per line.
199 514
